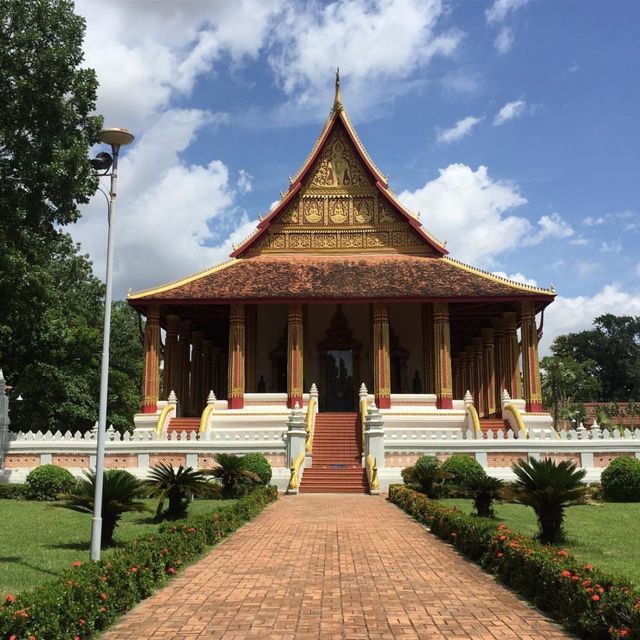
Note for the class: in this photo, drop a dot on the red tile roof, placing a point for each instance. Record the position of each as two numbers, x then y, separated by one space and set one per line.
358 278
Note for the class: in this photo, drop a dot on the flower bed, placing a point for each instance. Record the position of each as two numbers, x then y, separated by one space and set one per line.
91 596
585 600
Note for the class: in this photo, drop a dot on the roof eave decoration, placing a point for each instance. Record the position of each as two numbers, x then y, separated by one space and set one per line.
337 113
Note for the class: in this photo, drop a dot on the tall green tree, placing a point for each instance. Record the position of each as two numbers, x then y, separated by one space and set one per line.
614 345
50 302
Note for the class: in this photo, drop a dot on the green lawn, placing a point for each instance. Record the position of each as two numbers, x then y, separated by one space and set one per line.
605 534
38 541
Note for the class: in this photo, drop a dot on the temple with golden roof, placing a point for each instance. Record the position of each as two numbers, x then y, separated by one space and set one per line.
341 286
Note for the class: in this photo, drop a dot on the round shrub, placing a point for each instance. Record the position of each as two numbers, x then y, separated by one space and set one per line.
257 463
464 468
621 480
47 481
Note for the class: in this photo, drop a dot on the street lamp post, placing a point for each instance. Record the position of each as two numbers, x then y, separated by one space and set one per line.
116 138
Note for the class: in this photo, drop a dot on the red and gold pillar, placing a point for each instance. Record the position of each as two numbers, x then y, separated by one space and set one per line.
184 359
530 364
206 369
464 377
382 357
236 357
455 366
511 356
195 401
429 362
498 340
251 340
171 356
151 371
480 393
216 375
442 344
295 363
489 372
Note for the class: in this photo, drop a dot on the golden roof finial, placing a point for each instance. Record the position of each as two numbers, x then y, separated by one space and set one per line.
337 102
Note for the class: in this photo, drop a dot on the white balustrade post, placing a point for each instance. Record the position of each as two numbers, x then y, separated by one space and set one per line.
374 436
596 430
4 414
468 420
363 394
505 399
296 434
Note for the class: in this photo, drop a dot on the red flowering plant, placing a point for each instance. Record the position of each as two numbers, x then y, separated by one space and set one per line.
584 599
89 596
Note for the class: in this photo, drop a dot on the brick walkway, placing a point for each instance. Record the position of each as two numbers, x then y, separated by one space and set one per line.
333 566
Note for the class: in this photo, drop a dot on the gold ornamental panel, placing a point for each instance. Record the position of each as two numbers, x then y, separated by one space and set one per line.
338 164
299 240
313 210
363 210
339 210
385 214
290 214
323 240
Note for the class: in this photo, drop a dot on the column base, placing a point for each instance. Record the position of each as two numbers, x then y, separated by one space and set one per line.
149 408
293 399
383 402
533 407
444 403
236 403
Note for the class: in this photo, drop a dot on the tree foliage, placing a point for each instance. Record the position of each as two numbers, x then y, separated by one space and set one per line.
614 346
50 302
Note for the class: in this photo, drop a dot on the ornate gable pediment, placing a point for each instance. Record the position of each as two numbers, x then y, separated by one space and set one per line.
339 203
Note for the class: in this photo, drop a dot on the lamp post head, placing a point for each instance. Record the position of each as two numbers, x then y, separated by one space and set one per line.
116 136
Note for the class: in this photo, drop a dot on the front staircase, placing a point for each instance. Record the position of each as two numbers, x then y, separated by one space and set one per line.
337 467
495 425
189 425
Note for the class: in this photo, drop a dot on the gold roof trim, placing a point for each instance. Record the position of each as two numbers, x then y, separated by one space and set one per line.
177 283
495 278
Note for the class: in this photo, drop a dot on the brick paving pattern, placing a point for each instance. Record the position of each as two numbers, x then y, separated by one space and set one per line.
333 566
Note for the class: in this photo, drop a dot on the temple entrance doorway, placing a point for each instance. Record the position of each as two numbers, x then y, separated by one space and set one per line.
340 392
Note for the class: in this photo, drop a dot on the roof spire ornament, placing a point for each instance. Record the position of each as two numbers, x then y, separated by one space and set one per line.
337 102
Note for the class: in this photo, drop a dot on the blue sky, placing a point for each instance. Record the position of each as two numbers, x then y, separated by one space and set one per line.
511 125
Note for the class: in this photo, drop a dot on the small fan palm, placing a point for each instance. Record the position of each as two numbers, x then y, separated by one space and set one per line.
484 490
427 474
231 473
549 487
120 491
177 485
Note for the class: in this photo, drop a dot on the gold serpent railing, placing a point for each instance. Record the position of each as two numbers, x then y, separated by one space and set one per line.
475 419
518 418
294 480
311 423
372 473
162 417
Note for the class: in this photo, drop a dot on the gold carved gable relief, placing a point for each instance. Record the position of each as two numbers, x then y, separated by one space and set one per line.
339 210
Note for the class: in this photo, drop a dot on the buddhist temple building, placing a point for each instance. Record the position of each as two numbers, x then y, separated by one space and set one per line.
339 286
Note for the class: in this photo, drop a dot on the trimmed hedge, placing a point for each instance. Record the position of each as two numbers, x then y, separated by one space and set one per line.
464 468
257 463
90 596
49 480
13 491
621 480
585 600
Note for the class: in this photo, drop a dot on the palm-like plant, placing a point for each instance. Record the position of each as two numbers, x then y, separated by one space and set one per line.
177 485
231 472
549 487
427 474
120 491
484 490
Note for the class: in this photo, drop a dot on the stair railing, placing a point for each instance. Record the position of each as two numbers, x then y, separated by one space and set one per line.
518 418
206 413
312 410
372 473
168 412
294 480
472 413
363 395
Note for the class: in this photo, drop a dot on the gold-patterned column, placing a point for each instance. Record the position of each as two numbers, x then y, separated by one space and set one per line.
464 376
442 350
429 362
196 402
530 364
470 355
498 339
184 366
295 351
489 372
151 371
171 366
511 355
455 367
236 361
382 357
206 370
479 395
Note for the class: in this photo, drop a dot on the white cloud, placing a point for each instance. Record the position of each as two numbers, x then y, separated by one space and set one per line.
516 277
611 247
552 226
499 10
570 315
504 40
580 241
459 130
475 214
509 111
244 181
585 269
164 209
368 39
